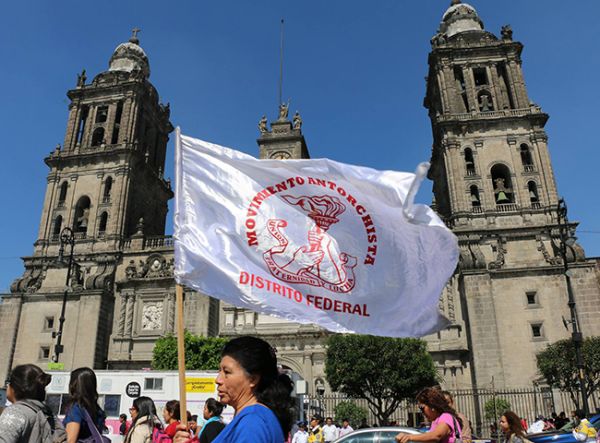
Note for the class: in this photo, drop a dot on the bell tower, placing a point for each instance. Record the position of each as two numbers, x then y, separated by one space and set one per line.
494 185
105 183
109 172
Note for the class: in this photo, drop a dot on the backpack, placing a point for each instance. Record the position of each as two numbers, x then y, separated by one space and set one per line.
46 424
160 436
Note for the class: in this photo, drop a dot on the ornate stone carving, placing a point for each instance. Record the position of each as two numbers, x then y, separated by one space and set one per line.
122 314
262 125
507 32
155 266
554 261
152 316
498 248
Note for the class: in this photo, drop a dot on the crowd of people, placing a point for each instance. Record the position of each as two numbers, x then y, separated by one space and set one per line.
248 381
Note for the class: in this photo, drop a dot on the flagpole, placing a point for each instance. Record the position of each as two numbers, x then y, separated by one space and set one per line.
181 354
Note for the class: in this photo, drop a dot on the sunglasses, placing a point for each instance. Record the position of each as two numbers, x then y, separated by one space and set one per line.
132 409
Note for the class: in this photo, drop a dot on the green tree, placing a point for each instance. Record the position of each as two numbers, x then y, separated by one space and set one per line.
557 364
382 370
201 353
493 411
354 413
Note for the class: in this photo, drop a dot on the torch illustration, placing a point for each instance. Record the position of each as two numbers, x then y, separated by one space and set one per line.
323 210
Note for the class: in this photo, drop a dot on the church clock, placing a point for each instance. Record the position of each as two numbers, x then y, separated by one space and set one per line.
281 155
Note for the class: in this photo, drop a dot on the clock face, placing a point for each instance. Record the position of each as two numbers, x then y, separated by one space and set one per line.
281 155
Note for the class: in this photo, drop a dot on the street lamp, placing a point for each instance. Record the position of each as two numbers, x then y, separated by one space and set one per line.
66 238
567 240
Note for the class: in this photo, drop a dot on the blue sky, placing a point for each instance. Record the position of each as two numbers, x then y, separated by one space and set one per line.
355 71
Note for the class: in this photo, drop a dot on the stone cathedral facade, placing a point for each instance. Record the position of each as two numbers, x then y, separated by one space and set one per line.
493 185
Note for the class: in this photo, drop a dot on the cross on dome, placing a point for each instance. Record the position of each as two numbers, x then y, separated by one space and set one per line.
134 39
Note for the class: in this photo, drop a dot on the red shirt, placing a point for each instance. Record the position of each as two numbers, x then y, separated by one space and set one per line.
171 430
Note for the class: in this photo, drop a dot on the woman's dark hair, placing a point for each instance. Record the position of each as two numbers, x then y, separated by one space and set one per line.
514 423
29 382
434 398
145 407
173 407
273 389
214 407
83 390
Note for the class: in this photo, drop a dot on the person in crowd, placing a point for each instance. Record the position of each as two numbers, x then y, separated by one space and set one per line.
561 420
83 400
524 424
193 425
584 431
143 421
213 424
363 424
330 431
315 433
172 415
445 424
301 435
20 422
512 430
123 424
346 428
466 424
249 382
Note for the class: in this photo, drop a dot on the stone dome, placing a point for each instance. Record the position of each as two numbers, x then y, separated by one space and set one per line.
130 57
460 17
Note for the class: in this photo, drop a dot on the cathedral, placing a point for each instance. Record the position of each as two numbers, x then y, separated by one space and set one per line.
493 185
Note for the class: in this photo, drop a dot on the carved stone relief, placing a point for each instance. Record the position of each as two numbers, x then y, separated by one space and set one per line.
152 316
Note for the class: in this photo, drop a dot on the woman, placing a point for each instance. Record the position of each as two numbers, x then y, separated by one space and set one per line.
143 421
213 424
510 425
172 415
250 383
445 424
20 422
83 398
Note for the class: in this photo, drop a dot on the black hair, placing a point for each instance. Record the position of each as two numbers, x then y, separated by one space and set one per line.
29 382
194 418
273 389
145 407
83 390
579 413
173 407
214 407
123 416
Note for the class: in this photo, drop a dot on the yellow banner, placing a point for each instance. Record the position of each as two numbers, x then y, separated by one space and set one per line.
201 385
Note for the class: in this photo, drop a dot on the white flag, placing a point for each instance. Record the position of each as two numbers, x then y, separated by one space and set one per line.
311 241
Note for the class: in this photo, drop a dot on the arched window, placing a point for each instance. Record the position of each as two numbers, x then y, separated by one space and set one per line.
102 225
533 193
484 99
82 216
62 194
526 158
107 189
469 161
57 227
475 200
503 192
98 137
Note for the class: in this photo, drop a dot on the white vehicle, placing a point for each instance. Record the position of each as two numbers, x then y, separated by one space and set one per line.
118 389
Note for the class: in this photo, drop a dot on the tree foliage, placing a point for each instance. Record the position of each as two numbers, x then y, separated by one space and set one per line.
494 413
201 353
354 413
558 365
382 370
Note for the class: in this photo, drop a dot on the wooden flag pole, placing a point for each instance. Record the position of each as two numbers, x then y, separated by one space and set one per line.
181 354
